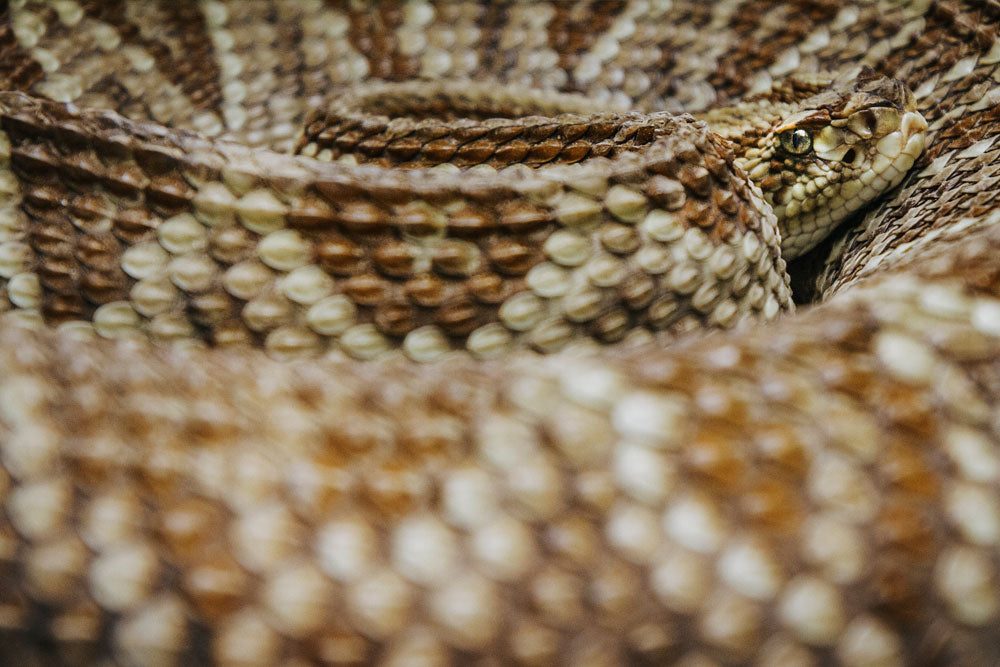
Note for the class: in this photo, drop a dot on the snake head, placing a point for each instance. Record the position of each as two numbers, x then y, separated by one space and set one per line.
829 155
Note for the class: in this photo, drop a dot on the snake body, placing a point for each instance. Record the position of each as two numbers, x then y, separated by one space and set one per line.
275 209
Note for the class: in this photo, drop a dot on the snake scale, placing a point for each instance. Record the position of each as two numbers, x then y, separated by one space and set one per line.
438 337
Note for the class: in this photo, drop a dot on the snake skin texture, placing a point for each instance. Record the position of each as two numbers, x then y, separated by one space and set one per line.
823 488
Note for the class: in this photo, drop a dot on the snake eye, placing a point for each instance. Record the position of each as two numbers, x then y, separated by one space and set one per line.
796 142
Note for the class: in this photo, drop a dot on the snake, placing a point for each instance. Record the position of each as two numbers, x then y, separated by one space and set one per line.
429 333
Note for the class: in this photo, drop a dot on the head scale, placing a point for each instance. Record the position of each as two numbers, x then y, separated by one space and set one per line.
822 158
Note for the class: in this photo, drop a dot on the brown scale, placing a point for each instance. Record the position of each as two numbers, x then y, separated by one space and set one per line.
217 584
371 113
575 26
898 588
789 91
79 268
394 489
665 84
751 54
452 258
713 455
710 196
492 289
557 142
907 527
491 19
212 308
231 244
18 70
371 34
772 502
403 301
195 69
197 72
78 272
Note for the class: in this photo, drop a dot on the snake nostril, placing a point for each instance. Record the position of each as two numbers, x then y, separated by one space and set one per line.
849 156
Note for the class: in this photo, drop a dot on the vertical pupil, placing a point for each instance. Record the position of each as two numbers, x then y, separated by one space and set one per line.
797 141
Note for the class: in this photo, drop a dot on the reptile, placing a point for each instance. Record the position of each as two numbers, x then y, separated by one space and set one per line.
435 333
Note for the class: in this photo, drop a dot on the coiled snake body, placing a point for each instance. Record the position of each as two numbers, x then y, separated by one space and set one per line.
278 212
